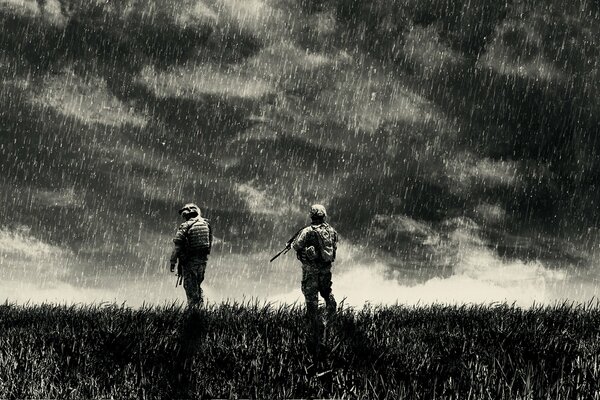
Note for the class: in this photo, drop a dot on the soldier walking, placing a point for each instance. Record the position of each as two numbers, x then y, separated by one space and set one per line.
316 247
192 244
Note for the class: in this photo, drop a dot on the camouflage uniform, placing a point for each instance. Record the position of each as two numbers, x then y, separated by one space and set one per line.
316 275
192 244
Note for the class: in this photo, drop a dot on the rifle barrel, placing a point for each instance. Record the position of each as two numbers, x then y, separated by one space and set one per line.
275 256
285 250
287 247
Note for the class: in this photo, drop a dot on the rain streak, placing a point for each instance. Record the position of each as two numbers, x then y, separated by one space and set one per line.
454 144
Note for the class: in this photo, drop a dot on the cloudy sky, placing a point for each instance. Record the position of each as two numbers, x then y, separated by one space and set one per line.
454 144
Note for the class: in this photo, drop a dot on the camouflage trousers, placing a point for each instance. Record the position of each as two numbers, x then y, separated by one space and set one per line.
316 279
193 275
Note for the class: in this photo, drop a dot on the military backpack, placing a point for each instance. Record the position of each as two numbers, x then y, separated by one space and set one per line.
327 240
198 237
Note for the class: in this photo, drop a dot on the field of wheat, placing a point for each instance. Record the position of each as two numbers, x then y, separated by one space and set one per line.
260 351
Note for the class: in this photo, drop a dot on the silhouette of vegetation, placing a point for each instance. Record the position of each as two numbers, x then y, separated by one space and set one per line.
253 351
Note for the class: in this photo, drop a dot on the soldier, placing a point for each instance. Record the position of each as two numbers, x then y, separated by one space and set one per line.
315 247
192 244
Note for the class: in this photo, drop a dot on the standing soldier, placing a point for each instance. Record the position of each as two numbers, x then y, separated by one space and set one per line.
315 247
192 244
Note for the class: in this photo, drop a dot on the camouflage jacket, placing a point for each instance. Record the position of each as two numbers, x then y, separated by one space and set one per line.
308 238
193 239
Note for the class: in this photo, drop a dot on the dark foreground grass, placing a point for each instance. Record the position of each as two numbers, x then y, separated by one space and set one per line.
258 351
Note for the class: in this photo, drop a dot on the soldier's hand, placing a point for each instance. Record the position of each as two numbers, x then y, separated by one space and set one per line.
172 268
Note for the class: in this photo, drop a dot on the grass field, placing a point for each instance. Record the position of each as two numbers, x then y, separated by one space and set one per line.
260 351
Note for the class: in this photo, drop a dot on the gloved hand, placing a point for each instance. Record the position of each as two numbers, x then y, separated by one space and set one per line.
172 268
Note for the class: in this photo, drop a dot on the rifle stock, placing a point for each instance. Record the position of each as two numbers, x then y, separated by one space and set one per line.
179 280
287 247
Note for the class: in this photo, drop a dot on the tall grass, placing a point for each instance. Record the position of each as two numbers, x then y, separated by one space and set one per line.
260 351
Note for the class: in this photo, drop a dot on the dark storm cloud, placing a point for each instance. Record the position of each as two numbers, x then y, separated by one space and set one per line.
395 114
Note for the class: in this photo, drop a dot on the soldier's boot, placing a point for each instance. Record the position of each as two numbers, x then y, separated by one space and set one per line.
312 313
331 306
313 325
196 304
194 299
200 297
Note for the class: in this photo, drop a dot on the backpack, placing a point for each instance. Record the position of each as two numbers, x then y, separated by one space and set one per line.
198 237
327 239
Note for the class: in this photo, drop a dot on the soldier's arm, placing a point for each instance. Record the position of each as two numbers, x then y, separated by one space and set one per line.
300 242
178 244
335 239
175 255
179 238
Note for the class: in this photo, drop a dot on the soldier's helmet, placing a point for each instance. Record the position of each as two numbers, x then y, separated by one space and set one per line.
189 210
317 211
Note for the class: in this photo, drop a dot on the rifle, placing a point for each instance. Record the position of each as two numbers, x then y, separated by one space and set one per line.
285 250
288 246
179 280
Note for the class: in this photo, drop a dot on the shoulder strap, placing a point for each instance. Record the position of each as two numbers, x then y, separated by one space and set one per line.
192 224
315 227
316 232
289 242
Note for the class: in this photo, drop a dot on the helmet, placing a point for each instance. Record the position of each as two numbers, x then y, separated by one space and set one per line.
317 211
189 209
